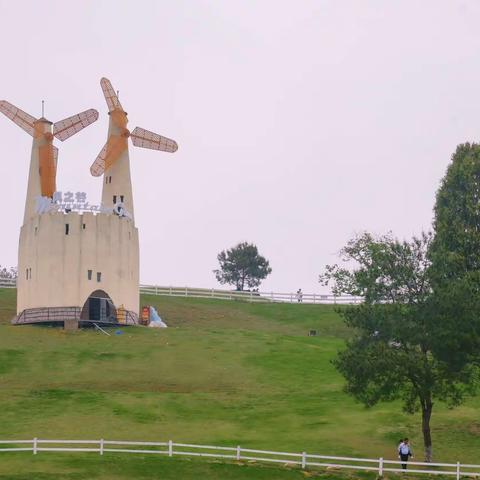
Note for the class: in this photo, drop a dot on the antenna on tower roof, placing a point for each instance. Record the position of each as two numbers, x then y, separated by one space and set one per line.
43 108
118 93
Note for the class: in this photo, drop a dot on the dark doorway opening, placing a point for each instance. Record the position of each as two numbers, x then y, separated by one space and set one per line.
99 308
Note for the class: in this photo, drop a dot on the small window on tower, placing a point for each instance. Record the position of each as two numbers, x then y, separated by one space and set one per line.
114 199
110 179
26 273
89 274
83 226
67 229
30 273
99 276
36 230
121 198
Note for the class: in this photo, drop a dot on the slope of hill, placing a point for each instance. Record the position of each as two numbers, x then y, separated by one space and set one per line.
224 373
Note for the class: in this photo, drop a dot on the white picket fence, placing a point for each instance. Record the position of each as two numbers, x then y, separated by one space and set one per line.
287 297
7 282
220 294
303 460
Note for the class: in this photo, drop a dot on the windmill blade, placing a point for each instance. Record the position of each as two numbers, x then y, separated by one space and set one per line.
110 152
21 118
70 126
48 169
110 96
145 139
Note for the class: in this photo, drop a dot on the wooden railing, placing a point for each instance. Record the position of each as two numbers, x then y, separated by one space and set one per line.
302 460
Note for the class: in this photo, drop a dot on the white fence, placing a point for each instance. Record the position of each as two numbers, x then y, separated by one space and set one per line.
303 460
288 297
7 282
218 294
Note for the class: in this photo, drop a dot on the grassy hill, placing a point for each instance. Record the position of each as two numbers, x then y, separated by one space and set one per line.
224 373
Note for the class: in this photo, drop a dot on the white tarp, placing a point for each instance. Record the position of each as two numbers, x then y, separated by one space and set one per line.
155 320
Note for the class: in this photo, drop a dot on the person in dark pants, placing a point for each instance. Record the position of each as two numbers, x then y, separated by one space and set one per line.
404 453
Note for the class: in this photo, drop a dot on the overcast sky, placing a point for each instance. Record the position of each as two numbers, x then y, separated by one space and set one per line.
299 123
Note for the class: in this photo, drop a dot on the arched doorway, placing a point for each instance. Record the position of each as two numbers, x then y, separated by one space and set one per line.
99 308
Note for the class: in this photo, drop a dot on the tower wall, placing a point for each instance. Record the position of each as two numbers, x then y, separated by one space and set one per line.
54 260
34 187
117 180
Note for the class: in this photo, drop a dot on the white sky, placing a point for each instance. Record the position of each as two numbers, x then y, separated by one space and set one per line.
299 123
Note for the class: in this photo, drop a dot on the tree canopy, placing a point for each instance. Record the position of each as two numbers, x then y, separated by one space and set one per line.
8 272
456 247
242 266
406 343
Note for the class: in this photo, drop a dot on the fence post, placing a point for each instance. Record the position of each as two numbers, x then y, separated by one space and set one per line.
458 470
170 291
380 467
304 460
314 298
238 452
186 291
35 446
170 448
212 292
101 446
156 289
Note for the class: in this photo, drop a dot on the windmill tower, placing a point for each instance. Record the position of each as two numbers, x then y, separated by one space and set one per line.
77 266
45 259
121 265
113 160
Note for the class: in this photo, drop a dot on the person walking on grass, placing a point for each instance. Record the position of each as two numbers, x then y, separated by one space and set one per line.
404 452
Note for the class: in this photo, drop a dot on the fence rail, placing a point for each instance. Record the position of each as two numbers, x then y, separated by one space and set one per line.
7 282
303 460
219 294
265 297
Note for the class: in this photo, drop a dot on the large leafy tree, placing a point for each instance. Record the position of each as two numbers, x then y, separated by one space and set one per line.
242 266
405 343
455 250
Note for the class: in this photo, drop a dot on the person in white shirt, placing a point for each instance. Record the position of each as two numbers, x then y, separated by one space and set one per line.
404 453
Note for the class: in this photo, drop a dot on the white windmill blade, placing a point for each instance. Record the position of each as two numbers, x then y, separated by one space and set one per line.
110 96
21 118
98 166
70 126
146 139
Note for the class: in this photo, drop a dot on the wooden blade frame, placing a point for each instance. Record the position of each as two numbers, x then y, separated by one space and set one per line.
111 97
21 118
70 126
146 139
109 154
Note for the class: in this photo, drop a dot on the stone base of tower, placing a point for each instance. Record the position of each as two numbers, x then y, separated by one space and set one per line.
72 318
78 267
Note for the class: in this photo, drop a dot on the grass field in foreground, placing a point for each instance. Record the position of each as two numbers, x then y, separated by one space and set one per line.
224 373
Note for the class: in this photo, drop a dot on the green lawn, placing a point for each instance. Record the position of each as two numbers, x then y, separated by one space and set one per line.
224 373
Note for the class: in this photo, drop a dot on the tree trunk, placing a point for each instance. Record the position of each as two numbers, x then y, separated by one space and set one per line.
427 407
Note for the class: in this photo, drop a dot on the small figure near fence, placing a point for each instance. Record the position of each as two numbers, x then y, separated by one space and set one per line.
404 452
299 295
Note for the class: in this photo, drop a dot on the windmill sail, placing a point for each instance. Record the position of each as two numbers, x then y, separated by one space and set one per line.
108 155
145 139
110 96
21 118
70 126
